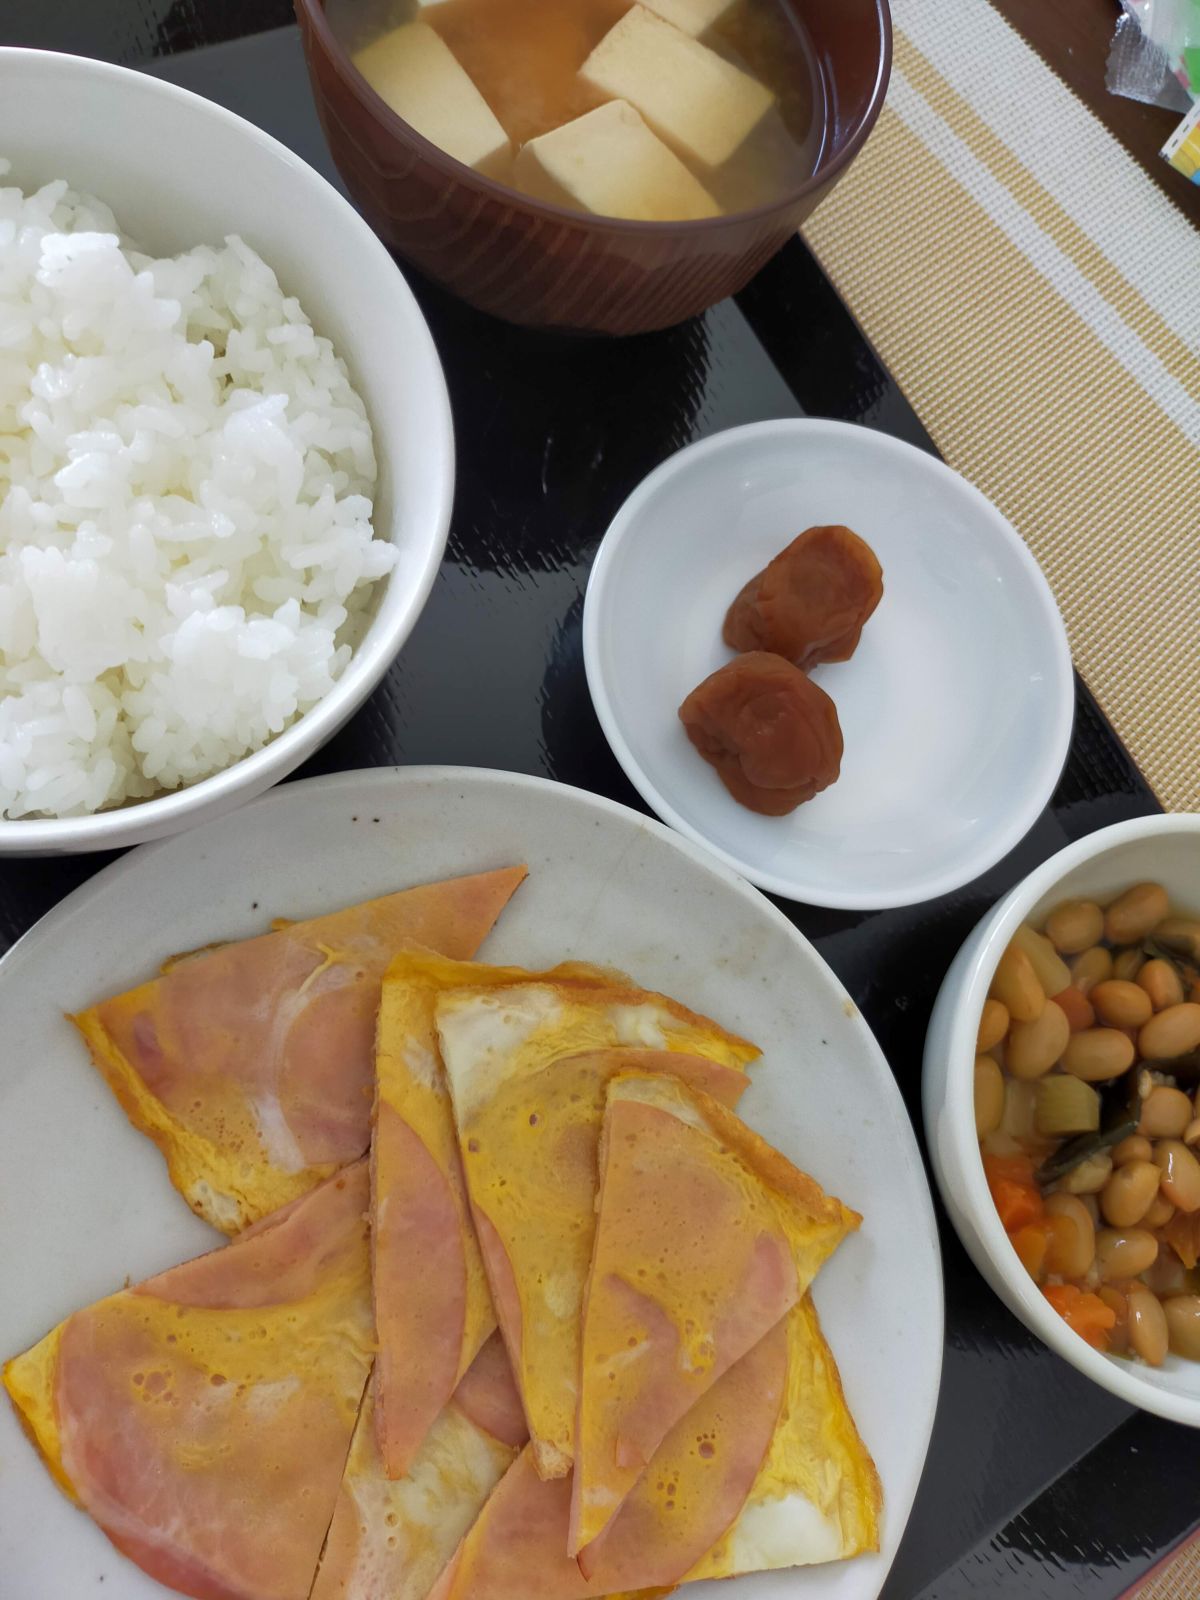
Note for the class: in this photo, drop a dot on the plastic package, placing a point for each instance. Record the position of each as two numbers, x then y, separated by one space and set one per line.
1182 149
1155 54
1155 57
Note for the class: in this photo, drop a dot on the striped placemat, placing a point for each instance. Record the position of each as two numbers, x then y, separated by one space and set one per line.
1038 300
1176 1578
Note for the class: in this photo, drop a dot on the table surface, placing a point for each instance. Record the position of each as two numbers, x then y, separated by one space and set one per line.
1073 37
1035 1479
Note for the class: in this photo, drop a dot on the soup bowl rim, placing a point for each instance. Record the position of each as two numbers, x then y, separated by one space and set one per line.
313 12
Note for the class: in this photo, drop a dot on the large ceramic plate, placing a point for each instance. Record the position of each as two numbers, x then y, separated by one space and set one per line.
85 1204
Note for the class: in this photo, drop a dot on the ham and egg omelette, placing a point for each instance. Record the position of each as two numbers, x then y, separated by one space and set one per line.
250 1064
532 1318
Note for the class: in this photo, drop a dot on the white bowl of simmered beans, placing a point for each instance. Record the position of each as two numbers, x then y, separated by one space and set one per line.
1061 1095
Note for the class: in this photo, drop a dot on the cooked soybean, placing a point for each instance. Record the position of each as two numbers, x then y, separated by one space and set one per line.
1147 1327
1074 926
1133 915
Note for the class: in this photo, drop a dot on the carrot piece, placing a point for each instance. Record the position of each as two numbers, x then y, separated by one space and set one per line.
1084 1313
1030 1243
1093 1320
1018 1169
1078 1008
1014 1193
1018 1206
1062 1295
1183 1235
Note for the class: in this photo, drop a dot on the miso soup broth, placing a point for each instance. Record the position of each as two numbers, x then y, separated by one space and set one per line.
720 103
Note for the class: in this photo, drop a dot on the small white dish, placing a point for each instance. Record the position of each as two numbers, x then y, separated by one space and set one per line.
1160 849
85 1202
956 707
179 171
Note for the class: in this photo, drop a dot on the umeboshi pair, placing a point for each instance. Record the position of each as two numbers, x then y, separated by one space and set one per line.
771 733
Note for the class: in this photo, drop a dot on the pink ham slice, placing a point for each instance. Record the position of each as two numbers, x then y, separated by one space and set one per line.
532 1150
251 1065
420 1289
282 1258
203 1418
705 1239
488 1395
692 1493
506 1297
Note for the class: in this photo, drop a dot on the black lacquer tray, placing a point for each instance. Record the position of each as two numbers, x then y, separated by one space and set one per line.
1037 1483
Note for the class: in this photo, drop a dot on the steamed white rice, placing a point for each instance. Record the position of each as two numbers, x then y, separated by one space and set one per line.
186 549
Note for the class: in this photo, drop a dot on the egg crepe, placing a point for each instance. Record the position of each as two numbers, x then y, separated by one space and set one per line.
527 1066
706 1237
433 1309
251 1064
766 1471
817 1495
699 1484
390 1540
203 1418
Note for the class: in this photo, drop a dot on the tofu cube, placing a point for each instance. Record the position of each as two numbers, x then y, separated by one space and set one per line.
415 71
689 16
701 104
610 163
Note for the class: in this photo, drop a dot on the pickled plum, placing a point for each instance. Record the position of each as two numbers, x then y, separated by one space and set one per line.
811 602
771 733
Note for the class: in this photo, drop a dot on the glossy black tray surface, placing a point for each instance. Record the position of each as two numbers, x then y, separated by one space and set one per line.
1036 1482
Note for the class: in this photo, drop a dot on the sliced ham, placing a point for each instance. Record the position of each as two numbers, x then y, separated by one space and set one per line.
420 1286
432 1305
817 1496
528 1063
432 1301
203 1419
768 1467
697 1485
488 1395
285 1257
706 1237
251 1064
550 1244
390 1540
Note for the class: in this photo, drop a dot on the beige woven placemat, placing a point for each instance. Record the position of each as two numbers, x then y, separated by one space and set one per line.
1038 300
1176 1578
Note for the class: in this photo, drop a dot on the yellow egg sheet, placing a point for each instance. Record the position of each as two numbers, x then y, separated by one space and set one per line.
527 1064
433 1308
389 1539
817 1495
203 1418
251 1065
706 1237
766 1471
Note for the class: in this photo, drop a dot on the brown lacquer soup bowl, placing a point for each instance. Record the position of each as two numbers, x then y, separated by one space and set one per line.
540 264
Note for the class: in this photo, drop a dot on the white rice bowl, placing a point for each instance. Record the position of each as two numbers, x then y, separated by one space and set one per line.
187 557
